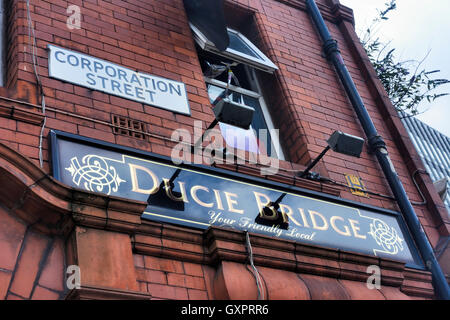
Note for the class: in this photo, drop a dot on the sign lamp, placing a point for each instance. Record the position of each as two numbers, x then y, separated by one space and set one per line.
270 215
339 142
234 113
166 196
226 111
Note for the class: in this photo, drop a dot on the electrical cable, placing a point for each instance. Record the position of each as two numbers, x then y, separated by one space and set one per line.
33 45
259 284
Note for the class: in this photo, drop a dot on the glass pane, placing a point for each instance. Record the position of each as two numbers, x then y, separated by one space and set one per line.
236 43
259 125
239 138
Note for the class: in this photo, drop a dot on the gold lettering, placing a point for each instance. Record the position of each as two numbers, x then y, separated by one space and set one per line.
194 190
170 193
135 181
356 229
333 225
218 199
314 214
258 197
232 202
261 205
305 222
283 209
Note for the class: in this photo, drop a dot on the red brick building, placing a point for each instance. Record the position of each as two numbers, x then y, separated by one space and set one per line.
47 225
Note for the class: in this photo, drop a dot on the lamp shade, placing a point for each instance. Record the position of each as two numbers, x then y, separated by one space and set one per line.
346 144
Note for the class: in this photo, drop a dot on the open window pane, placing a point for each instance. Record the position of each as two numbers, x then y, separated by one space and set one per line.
237 44
240 50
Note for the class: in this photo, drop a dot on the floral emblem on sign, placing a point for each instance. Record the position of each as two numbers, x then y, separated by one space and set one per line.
386 237
94 174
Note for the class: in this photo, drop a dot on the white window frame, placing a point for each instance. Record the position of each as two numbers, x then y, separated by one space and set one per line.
278 152
263 64
256 86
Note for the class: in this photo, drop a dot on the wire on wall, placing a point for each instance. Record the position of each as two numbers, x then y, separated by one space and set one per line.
259 284
33 45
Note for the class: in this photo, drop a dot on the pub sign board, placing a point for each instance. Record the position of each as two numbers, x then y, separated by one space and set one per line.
101 75
202 196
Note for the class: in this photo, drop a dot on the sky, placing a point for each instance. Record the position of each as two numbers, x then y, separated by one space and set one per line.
415 28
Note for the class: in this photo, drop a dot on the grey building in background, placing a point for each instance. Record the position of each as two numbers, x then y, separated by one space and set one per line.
434 149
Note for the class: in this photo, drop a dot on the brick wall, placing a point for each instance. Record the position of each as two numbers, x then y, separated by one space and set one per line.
153 36
170 279
308 103
150 36
31 263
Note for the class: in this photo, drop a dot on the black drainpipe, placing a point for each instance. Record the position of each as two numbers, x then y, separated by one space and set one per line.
378 146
